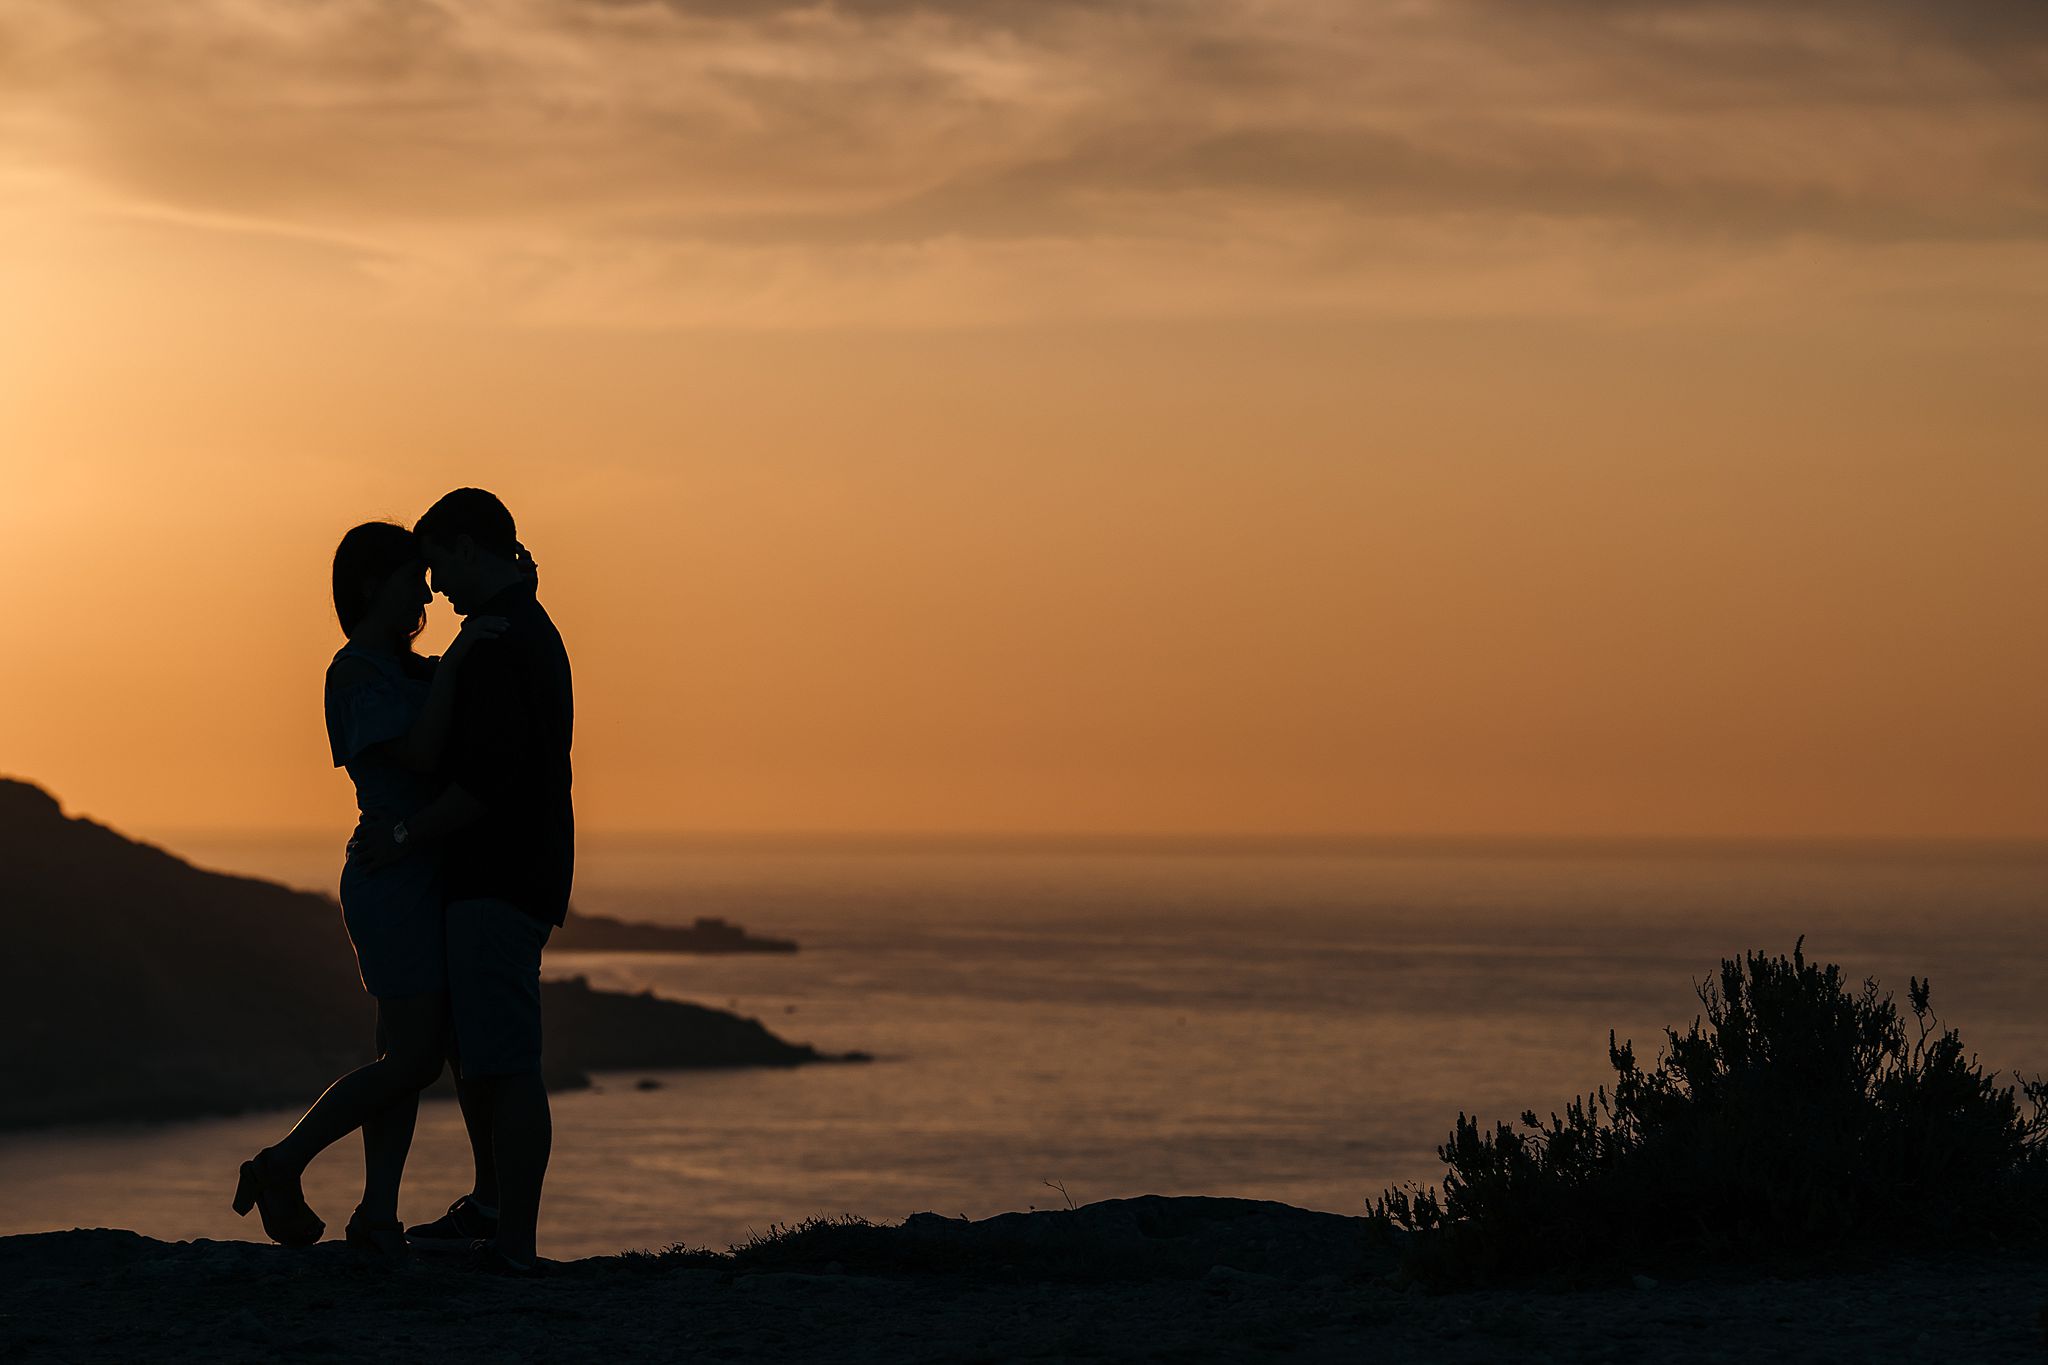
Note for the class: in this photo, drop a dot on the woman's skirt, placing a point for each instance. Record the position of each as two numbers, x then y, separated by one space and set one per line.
394 919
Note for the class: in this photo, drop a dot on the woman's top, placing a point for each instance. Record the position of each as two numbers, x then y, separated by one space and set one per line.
393 914
365 714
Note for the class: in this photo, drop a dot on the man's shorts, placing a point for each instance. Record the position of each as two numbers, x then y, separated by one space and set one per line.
494 987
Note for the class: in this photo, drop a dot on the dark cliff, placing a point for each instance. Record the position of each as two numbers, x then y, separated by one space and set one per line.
134 985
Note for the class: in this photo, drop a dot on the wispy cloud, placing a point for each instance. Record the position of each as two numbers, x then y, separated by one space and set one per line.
755 161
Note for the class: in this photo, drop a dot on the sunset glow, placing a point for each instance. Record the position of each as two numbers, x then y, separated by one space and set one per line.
1265 416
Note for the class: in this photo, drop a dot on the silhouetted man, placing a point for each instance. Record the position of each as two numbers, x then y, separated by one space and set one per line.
507 834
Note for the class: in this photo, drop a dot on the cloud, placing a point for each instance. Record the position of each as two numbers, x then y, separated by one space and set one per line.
607 146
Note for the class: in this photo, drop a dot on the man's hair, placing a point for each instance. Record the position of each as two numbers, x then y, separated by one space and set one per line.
474 513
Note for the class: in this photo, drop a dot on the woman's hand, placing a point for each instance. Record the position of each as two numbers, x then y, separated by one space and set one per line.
374 846
474 628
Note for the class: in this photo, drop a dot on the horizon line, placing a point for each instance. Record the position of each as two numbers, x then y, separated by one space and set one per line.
1183 839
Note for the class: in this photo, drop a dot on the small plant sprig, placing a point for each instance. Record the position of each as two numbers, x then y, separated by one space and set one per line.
1061 1186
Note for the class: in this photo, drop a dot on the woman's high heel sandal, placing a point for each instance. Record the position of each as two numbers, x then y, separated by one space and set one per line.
287 1218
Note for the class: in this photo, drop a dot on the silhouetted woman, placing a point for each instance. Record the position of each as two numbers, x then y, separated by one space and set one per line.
387 719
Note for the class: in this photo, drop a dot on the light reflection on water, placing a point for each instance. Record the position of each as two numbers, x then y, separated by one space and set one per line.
1298 1027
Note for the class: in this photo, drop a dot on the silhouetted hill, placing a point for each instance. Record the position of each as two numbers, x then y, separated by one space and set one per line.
134 985
602 934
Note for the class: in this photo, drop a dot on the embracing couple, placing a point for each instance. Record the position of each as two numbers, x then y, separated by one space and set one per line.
458 871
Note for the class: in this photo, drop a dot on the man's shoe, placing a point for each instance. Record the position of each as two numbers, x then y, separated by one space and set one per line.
379 1243
456 1230
485 1256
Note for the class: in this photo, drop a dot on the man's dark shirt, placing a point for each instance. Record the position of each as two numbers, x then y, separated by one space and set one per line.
509 748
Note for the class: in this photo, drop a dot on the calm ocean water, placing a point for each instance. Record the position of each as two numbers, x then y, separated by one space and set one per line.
1293 1023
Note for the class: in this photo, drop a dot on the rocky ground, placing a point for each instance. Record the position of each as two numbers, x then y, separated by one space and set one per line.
1148 1279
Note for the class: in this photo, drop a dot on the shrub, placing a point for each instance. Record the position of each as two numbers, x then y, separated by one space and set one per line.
1795 1116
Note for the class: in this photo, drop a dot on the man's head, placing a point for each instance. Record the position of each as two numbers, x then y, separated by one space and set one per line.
471 547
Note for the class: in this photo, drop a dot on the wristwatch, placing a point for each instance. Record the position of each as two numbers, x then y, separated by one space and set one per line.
398 833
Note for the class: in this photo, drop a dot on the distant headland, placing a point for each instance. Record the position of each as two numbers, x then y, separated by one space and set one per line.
707 934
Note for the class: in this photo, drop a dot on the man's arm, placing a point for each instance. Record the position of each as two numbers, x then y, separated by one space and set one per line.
489 748
376 843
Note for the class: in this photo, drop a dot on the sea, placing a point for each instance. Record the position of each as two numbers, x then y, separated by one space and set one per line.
1058 1022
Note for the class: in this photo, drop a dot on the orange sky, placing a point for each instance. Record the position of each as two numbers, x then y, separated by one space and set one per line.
1260 416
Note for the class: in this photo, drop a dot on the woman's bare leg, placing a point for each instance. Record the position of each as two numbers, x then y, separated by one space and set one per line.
387 1139
409 1046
